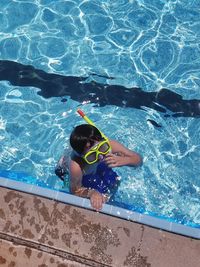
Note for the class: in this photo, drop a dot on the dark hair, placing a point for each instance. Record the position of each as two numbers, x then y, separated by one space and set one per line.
82 134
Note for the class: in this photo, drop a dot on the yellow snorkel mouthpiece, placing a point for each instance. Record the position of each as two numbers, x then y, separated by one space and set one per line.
82 114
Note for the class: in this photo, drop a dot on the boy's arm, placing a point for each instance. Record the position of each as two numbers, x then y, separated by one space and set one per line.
122 156
76 180
97 199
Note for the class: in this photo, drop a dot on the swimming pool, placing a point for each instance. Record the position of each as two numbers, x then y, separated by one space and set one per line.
132 66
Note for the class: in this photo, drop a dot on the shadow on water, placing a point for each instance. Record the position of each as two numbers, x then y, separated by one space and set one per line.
81 89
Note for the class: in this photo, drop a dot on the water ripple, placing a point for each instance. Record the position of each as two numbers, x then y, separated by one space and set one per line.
154 38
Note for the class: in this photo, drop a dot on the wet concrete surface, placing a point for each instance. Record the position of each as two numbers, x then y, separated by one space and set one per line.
12 255
42 232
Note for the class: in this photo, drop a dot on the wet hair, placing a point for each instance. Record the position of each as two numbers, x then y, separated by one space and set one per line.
83 134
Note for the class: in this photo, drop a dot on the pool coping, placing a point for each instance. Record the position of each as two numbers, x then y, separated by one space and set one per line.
156 222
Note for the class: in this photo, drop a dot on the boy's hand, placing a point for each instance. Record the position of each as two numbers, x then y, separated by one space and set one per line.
113 160
97 199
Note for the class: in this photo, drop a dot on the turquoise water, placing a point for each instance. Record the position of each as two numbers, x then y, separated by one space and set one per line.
111 48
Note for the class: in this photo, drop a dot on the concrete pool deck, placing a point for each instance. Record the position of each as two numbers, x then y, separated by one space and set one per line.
37 231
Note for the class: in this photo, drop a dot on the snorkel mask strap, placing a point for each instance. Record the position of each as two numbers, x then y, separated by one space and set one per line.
82 114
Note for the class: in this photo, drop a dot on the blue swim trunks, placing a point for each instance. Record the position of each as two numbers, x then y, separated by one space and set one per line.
103 180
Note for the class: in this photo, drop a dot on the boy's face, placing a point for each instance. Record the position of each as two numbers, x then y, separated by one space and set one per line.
93 153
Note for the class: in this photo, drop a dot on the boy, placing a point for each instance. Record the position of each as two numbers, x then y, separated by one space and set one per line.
91 162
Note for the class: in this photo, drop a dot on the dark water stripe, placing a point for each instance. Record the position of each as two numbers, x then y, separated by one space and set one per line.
79 89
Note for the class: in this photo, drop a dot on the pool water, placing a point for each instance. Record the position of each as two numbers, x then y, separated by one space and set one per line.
132 66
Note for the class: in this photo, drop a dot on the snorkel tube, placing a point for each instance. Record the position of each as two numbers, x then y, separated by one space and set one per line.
82 114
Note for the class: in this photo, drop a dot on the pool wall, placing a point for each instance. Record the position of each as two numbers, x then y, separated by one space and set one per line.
108 209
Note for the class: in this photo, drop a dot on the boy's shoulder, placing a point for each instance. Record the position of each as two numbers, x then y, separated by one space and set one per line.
76 160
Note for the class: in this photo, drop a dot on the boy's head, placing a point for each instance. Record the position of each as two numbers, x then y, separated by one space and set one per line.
82 135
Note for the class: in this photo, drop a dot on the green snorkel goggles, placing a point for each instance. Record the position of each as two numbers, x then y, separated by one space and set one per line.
101 148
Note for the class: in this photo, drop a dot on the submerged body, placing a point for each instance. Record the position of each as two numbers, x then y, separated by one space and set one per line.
103 179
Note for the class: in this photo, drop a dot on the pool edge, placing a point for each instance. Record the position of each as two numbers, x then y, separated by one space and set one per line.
149 220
